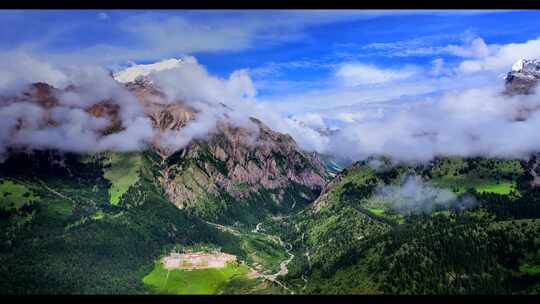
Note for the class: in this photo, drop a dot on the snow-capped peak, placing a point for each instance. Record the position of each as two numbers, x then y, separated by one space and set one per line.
526 66
141 70
518 66
523 78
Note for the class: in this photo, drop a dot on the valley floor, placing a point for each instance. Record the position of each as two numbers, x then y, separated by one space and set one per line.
215 272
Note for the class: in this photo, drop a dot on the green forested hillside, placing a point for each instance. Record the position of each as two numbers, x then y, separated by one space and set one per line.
351 242
65 230
76 241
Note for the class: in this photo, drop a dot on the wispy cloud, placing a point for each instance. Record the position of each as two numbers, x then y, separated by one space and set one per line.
272 69
465 45
358 74
502 57
103 16
154 35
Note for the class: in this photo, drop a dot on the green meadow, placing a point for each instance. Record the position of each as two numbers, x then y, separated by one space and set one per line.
458 174
14 195
199 281
123 172
530 269
376 211
460 184
501 188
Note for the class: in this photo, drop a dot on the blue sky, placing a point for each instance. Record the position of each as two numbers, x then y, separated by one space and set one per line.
286 52
264 36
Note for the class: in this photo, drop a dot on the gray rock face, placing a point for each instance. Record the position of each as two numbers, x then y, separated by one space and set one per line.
240 161
235 160
523 78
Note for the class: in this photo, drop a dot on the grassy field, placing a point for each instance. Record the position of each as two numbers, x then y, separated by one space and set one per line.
530 269
376 211
14 195
378 206
443 212
460 184
122 173
502 188
201 281
459 174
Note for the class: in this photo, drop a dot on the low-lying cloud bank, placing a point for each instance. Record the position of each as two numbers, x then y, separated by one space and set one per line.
461 110
67 124
478 121
416 196
214 99
475 122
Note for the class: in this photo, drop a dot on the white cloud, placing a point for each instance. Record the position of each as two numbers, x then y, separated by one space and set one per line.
357 74
414 196
103 16
438 68
501 58
469 46
191 81
141 70
332 97
312 120
152 36
476 48
18 69
25 124
458 123
381 110
405 118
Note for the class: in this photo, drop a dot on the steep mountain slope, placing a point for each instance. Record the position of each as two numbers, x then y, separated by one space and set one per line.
237 174
245 182
97 222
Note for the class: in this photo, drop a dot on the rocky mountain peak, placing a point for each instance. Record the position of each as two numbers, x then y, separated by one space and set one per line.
523 78
242 162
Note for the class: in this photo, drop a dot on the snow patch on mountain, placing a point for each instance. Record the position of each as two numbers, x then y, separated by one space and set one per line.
527 67
518 66
141 70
